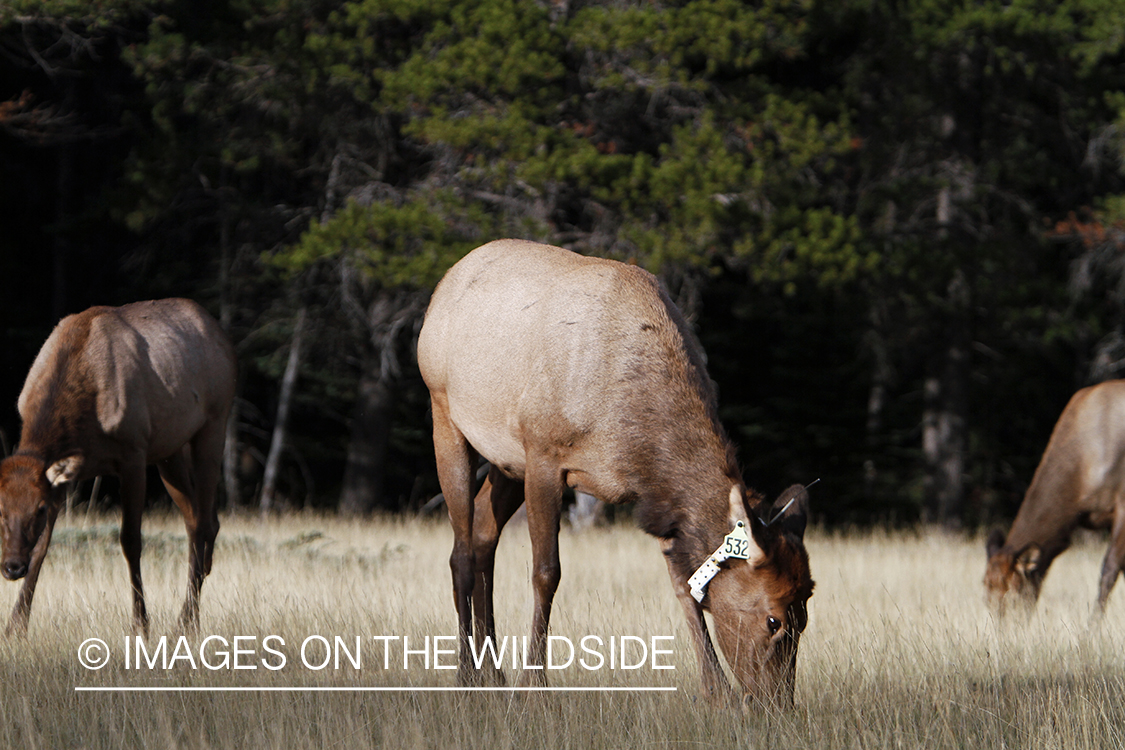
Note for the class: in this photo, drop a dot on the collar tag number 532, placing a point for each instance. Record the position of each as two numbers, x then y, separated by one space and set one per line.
736 544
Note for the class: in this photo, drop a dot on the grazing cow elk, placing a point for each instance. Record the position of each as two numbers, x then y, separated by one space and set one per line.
1080 482
111 391
563 370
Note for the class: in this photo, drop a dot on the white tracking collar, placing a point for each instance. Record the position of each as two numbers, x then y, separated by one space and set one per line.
735 545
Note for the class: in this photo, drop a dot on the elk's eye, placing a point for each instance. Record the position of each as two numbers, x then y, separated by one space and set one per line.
773 624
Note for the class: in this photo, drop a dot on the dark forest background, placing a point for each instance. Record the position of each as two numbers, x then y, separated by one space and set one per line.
897 226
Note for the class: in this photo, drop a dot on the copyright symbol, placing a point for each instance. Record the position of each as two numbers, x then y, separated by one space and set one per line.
93 653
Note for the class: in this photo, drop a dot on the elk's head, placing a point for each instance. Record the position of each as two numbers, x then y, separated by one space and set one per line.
26 501
1013 577
759 604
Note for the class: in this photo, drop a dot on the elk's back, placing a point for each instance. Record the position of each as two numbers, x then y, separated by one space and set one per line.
147 374
534 345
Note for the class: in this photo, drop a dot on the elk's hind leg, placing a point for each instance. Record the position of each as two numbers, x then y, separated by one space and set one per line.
175 472
455 460
190 475
207 468
1114 556
497 501
543 490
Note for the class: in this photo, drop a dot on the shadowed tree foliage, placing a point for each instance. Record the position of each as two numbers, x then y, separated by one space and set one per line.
858 203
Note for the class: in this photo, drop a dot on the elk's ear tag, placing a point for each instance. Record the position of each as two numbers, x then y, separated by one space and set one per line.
736 544
64 470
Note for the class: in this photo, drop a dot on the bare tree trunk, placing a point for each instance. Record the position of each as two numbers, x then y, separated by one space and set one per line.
231 485
277 442
226 260
877 395
945 393
364 474
945 416
586 511
875 342
876 399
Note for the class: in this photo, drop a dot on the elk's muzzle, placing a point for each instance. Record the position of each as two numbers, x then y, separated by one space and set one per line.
14 570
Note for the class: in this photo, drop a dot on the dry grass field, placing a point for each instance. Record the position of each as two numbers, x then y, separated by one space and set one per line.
900 652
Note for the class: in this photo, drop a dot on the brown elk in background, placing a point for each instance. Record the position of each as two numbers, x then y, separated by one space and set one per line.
112 391
1080 482
567 371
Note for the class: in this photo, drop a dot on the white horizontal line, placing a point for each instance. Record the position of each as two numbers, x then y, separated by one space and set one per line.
315 689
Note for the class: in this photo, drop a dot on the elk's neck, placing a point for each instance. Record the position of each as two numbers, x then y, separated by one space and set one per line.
694 515
669 444
1048 515
48 439
56 408
1044 523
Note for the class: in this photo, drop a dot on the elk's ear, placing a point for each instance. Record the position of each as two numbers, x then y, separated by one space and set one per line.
64 470
791 511
1027 561
995 542
737 507
755 554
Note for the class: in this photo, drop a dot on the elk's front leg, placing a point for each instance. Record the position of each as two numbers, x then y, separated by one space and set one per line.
21 613
715 684
132 505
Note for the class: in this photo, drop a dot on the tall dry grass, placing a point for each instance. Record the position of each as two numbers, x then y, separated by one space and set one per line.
900 651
